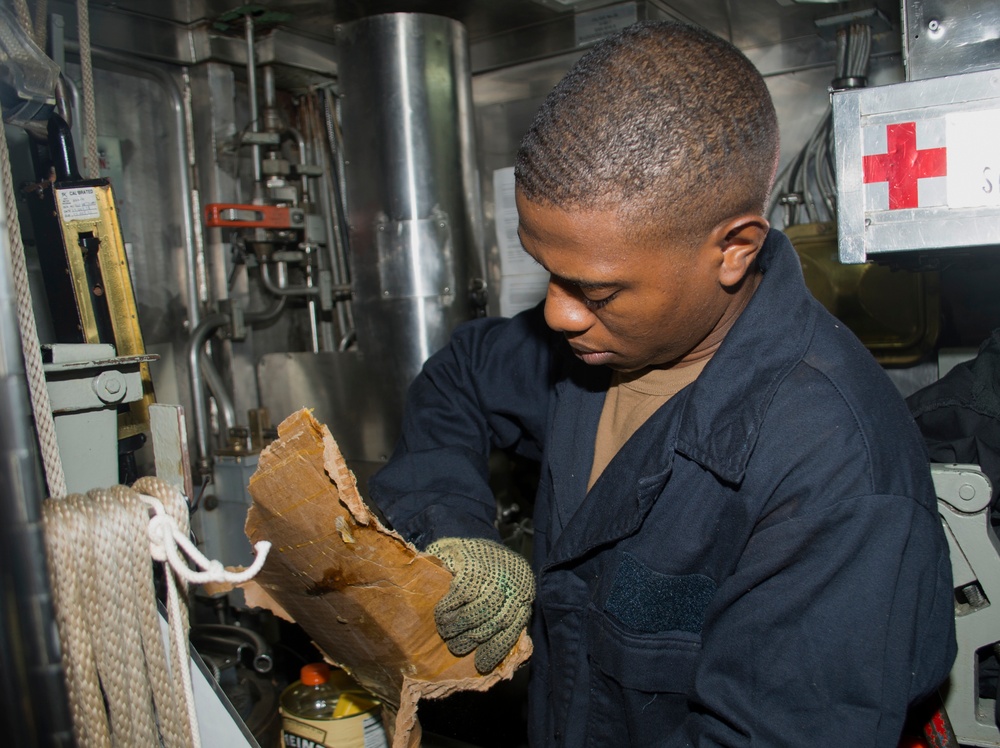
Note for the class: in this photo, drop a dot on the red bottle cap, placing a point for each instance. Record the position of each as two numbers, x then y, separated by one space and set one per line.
315 673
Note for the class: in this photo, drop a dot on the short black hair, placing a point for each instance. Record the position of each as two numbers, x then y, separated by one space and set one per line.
664 122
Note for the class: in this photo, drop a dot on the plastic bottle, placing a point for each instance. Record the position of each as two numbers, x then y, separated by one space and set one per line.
326 709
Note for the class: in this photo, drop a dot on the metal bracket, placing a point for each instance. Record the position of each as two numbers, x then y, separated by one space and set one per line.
964 496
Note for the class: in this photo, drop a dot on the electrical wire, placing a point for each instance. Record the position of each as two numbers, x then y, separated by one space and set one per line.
807 187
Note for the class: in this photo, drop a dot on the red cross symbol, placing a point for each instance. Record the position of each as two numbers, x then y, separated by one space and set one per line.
903 165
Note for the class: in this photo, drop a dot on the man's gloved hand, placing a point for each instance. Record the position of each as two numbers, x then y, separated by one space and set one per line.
489 600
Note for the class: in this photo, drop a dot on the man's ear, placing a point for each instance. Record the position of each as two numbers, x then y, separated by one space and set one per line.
740 239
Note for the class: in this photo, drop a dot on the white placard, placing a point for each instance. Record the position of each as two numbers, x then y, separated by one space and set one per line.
522 280
513 259
520 292
592 25
78 204
973 143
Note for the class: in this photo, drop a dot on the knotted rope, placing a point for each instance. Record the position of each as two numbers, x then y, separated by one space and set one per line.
99 547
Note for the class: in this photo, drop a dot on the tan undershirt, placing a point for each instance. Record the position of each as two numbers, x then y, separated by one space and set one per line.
632 398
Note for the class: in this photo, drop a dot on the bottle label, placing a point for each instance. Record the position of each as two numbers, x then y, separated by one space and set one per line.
361 731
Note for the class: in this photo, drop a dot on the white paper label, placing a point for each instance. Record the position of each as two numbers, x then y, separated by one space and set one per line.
592 25
520 292
78 204
973 159
522 280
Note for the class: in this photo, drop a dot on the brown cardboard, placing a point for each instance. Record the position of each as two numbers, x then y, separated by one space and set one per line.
363 594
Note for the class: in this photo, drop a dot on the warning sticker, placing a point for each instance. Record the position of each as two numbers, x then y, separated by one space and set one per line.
78 204
973 159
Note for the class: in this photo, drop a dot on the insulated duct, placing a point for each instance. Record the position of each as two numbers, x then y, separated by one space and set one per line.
412 198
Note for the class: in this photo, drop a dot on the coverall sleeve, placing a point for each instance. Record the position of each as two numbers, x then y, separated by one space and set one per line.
488 388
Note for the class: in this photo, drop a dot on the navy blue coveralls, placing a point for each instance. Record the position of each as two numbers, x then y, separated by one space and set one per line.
762 564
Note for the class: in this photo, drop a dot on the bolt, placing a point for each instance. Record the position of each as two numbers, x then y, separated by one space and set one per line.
109 386
967 492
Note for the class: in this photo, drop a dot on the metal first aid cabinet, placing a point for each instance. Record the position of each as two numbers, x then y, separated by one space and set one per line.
918 166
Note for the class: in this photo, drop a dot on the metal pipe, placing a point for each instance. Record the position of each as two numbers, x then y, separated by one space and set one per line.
329 225
137 65
303 159
262 317
262 660
333 204
270 89
341 292
195 343
258 171
218 389
277 290
34 702
312 306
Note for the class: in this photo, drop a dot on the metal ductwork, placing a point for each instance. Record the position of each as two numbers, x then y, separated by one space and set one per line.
412 198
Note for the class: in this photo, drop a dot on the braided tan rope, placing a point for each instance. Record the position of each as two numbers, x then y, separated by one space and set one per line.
120 660
99 559
24 16
68 549
40 405
176 728
41 23
91 167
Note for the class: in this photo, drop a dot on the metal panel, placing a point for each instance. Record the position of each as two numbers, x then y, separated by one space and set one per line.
871 223
948 37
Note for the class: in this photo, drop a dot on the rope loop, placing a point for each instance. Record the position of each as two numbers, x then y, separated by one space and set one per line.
165 538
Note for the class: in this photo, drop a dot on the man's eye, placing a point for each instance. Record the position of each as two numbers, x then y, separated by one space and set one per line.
595 304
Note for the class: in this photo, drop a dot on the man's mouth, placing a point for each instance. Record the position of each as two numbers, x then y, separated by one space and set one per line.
593 358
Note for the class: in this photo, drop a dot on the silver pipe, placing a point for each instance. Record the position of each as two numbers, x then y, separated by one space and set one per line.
311 307
258 171
303 159
331 184
326 207
137 65
266 315
218 389
270 89
195 343
341 292
34 701
281 290
313 327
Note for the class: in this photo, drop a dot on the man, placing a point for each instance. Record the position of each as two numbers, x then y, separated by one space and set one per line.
737 540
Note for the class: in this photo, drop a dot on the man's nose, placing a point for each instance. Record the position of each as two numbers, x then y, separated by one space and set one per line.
565 311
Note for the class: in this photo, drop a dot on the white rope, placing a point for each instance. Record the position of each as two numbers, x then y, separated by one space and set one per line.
40 405
164 539
91 163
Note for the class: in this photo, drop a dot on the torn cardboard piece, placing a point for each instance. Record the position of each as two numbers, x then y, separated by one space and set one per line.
363 594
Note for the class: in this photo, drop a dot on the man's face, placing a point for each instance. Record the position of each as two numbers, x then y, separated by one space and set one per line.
622 300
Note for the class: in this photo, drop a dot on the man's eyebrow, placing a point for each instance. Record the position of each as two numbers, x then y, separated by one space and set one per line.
583 285
593 285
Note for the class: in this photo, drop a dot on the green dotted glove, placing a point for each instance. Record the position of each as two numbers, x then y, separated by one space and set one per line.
489 600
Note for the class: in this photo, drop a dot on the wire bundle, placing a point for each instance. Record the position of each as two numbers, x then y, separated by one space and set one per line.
807 187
